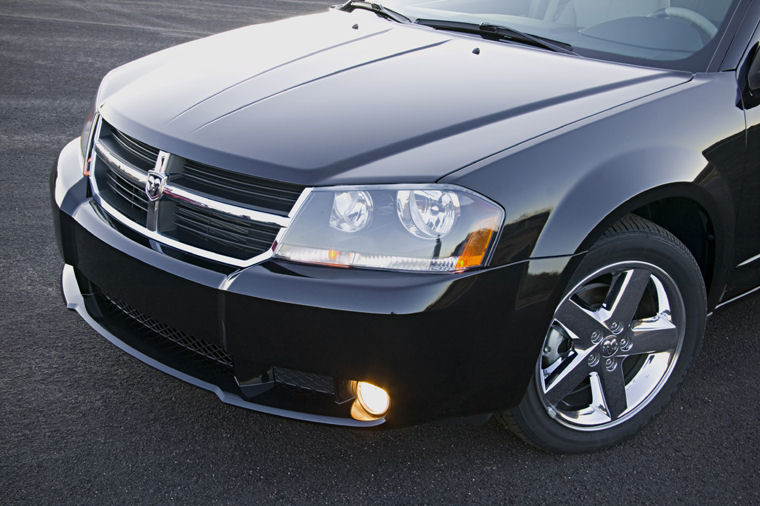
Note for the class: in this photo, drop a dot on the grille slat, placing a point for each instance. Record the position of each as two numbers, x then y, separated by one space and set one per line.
127 190
203 173
241 226
147 154
127 197
255 192
251 191
229 237
228 246
235 237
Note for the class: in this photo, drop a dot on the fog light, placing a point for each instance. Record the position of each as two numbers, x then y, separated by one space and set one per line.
371 403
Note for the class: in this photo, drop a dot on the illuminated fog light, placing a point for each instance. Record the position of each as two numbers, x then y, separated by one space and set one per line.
371 402
351 211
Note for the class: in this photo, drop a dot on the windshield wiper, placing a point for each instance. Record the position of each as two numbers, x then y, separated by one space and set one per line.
377 8
497 32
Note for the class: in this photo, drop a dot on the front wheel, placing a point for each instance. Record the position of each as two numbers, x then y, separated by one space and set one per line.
619 344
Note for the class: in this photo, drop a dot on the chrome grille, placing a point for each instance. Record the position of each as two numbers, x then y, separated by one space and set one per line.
206 211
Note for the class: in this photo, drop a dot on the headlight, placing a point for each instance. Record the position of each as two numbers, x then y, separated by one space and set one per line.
401 227
428 214
86 137
351 211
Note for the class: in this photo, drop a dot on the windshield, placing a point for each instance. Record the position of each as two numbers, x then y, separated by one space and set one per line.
679 34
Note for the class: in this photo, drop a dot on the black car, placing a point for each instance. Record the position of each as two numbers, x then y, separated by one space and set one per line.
386 214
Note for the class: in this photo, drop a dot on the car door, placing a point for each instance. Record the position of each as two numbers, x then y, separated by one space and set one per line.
747 247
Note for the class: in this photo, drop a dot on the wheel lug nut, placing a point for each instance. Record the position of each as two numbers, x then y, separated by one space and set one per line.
593 359
610 364
596 336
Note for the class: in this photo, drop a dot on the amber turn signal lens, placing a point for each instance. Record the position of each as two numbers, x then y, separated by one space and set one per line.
86 169
477 244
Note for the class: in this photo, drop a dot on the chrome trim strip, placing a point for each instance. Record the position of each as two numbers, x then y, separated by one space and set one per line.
300 202
749 261
137 176
293 212
94 156
157 173
94 128
745 294
162 161
226 282
75 302
178 193
237 262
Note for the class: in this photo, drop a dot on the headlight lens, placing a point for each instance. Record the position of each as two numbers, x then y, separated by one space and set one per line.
434 228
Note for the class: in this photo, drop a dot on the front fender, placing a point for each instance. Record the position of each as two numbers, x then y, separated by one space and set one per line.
628 182
562 190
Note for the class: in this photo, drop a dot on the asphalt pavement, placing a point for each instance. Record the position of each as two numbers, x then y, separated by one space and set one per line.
82 422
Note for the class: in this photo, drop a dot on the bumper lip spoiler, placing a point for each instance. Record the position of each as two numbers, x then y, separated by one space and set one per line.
75 301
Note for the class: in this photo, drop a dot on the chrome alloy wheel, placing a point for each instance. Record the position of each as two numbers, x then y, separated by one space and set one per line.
613 344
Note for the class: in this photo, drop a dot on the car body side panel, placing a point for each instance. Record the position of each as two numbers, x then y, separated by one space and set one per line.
561 191
747 274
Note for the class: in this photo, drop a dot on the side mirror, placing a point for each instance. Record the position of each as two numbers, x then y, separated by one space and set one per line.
753 74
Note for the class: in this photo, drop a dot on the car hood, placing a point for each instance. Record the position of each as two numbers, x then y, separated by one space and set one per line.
351 98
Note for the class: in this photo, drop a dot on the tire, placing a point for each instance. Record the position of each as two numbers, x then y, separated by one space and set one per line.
620 343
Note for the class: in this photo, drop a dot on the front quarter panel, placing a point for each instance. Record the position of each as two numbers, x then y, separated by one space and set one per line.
561 191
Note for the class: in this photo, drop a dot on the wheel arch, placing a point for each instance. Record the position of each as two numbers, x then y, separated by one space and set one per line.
677 188
692 215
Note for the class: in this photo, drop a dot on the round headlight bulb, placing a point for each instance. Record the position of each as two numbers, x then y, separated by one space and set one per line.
351 211
427 214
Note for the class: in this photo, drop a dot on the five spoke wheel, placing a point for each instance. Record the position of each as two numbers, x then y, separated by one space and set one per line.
619 342
612 345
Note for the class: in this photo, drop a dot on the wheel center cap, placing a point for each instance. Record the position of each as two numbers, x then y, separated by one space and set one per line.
610 346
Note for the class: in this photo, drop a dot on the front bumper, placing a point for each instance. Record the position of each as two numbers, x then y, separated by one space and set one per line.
442 345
